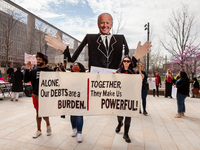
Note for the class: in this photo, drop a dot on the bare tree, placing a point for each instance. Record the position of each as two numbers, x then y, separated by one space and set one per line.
118 24
41 29
179 31
157 61
29 46
1 44
36 40
39 35
12 18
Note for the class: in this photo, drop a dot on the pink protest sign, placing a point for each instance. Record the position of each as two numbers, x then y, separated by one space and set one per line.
31 58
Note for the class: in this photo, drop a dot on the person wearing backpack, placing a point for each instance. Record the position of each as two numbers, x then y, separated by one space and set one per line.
17 86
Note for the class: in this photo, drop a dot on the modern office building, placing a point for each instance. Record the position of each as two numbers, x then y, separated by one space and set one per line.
23 32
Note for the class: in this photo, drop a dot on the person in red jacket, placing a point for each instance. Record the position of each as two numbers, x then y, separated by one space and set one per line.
158 82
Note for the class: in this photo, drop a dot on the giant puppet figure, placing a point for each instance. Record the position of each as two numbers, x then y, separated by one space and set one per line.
104 49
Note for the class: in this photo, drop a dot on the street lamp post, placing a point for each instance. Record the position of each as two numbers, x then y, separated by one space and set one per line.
146 27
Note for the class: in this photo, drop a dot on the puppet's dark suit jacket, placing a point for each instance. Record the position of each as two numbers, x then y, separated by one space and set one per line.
98 55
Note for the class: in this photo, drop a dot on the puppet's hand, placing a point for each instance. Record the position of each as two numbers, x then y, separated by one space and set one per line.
55 42
142 50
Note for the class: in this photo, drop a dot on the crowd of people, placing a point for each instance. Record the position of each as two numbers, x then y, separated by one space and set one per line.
105 56
181 82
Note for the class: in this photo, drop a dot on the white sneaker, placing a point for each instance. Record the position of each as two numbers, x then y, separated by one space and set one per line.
37 134
74 131
79 137
48 130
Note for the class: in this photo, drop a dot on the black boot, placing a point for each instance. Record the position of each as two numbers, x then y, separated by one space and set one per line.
126 137
63 116
145 113
120 124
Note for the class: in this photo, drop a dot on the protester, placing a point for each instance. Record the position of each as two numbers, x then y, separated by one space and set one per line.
195 85
104 49
61 67
77 121
158 83
145 87
33 76
176 77
55 67
17 85
182 92
168 83
126 66
10 71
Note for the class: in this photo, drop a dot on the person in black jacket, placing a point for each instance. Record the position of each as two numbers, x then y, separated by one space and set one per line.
33 76
10 71
182 85
104 49
145 87
195 85
17 86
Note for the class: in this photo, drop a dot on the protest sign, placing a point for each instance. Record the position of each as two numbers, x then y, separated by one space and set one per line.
62 93
152 83
31 58
174 92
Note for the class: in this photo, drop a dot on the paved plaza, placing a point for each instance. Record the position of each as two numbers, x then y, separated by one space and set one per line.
159 130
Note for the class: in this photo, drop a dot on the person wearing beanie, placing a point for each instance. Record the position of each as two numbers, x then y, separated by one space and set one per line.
33 76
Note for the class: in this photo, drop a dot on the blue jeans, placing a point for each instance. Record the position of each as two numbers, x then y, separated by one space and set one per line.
77 123
181 102
144 96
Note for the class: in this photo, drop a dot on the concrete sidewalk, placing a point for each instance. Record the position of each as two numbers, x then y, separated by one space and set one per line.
158 130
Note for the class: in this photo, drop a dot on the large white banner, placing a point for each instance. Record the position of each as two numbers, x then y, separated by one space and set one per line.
62 93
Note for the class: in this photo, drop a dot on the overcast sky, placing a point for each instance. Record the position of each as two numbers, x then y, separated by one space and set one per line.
79 17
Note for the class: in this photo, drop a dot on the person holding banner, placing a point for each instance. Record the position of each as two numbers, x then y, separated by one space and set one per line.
182 92
126 67
33 76
145 87
77 121
104 49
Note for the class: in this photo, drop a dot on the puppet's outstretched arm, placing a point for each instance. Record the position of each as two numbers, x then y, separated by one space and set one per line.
142 50
55 42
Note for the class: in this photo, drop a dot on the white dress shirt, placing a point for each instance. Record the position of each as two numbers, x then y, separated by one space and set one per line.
103 37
